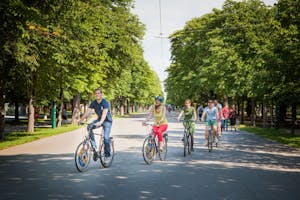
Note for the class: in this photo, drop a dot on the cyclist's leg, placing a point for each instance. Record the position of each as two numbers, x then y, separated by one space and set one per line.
155 131
206 131
107 129
192 131
214 123
90 128
219 128
161 129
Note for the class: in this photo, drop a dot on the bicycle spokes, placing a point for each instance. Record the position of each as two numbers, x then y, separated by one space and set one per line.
150 150
83 157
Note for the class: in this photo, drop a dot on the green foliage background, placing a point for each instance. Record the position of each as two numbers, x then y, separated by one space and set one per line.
244 50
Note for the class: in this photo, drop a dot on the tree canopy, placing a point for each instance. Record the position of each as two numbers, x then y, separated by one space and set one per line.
244 50
55 50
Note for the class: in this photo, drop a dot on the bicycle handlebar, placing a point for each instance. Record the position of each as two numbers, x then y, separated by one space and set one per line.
148 123
187 120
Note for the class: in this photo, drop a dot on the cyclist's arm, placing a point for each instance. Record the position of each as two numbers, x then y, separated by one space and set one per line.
195 115
150 114
103 117
203 115
216 115
85 115
179 116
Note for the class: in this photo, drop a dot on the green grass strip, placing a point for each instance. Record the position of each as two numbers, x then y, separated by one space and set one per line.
17 138
279 135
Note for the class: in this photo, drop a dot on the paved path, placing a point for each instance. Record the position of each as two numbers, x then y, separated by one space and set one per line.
243 167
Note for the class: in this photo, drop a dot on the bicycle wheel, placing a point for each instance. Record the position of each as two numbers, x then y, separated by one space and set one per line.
210 141
189 144
149 150
107 161
163 154
83 156
185 144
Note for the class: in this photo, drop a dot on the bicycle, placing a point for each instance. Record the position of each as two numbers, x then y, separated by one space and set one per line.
151 146
85 150
211 137
187 138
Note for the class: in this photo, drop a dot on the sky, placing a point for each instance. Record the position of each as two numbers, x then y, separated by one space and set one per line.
174 15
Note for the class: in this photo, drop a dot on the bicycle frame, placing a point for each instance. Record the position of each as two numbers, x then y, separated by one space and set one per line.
211 136
150 134
155 145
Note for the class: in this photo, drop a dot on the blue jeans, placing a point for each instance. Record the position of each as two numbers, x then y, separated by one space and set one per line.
225 123
107 128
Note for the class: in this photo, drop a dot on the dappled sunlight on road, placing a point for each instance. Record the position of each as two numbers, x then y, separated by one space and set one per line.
255 167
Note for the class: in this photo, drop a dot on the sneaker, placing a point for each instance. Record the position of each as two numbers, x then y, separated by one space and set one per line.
107 157
95 156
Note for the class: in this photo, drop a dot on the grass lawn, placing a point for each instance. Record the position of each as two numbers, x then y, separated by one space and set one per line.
278 135
16 138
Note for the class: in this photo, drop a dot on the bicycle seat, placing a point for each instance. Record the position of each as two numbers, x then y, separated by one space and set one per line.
165 134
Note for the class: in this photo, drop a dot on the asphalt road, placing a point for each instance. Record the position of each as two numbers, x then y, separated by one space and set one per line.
244 166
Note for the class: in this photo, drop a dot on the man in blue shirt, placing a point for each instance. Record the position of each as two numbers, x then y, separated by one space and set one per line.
102 109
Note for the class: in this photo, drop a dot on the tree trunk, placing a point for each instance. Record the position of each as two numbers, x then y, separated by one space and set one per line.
17 111
128 106
45 113
60 108
238 107
30 125
248 109
271 114
242 111
2 110
294 117
253 113
76 109
122 109
264 113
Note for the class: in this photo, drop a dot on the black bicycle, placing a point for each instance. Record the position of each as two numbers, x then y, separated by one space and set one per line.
86 150
211 137
187 137
151 146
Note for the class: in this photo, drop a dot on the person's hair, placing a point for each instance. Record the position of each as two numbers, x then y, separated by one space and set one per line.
187 101
210 101
98 89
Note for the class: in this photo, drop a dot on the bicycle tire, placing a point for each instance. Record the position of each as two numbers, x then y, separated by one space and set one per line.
149 150
185 144
210 141
107 163
190 144
83 156
163 154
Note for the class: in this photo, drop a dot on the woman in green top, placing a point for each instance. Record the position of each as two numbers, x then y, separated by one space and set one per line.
190 117
160 121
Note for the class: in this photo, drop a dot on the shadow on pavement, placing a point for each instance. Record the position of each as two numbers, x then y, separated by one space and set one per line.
243 167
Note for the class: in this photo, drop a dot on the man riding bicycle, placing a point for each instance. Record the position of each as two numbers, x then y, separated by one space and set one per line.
210 116
102 109
189 117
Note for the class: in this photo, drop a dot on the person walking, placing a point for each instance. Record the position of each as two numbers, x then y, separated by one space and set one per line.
225 112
